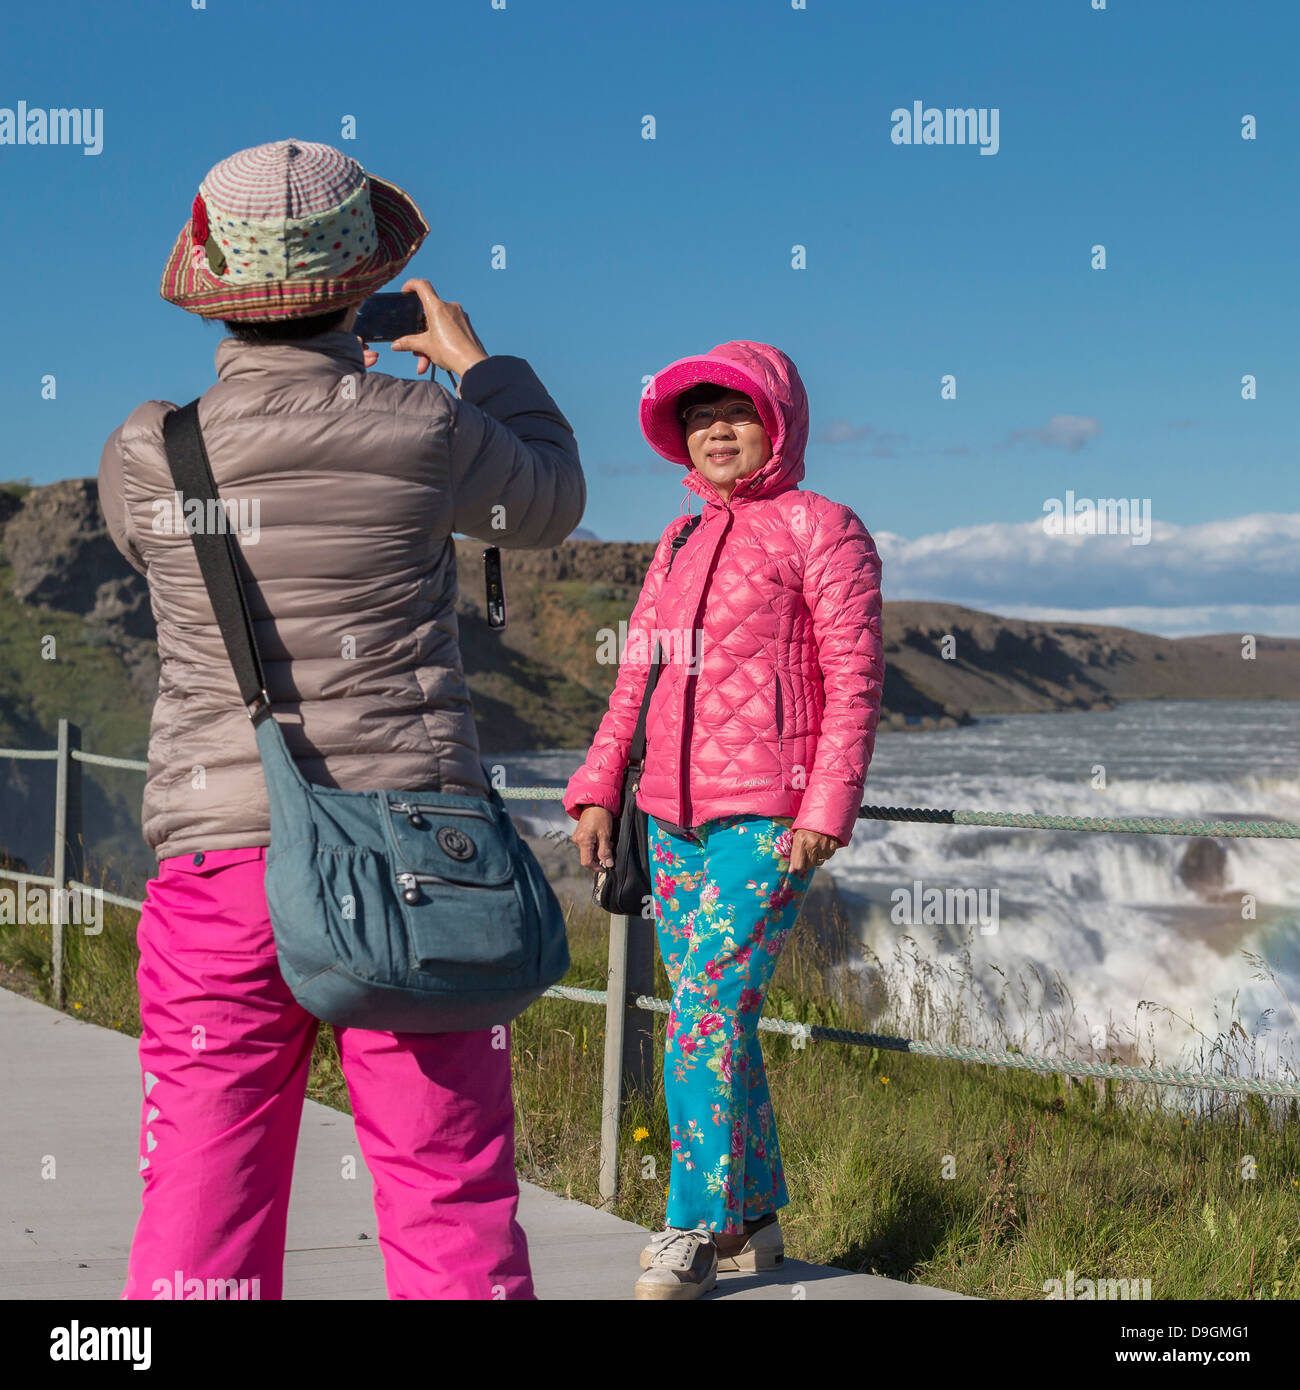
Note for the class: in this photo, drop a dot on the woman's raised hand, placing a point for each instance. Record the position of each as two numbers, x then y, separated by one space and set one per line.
448 340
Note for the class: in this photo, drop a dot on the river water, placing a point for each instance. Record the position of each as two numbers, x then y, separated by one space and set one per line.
1119 942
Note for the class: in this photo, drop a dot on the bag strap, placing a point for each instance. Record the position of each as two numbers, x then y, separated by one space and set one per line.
636 752
218 558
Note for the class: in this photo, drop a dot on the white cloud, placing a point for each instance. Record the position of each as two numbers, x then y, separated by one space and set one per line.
1279 620
845 432
1069 432
1237 575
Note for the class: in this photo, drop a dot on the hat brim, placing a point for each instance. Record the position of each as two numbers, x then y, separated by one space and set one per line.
399 230
659 423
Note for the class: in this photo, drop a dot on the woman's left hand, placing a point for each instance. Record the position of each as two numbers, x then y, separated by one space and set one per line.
811 849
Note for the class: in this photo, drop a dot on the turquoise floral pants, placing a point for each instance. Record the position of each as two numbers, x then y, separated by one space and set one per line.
725 902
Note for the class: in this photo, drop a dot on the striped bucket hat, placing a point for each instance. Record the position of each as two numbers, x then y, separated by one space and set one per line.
288 230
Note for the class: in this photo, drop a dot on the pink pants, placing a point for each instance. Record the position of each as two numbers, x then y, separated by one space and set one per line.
225 1054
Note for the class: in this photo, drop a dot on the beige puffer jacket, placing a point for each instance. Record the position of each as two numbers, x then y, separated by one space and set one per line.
349 484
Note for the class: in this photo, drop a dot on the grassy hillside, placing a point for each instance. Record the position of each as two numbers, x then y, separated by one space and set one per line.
52 666
77 676
534 684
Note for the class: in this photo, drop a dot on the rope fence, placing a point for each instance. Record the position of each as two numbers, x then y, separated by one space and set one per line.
1126 825
996 1057
1123 825
628 1049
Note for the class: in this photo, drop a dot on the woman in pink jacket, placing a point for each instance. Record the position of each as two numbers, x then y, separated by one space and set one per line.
758 737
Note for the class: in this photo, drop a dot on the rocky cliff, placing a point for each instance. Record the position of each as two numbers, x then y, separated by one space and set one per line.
77 640
944 664
62 558
540 684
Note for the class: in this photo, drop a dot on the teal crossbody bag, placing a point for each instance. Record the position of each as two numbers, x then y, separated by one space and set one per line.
401 911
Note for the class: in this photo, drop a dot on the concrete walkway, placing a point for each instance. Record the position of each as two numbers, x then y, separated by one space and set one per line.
71 1091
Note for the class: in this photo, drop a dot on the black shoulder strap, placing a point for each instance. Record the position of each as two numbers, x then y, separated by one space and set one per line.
682 537
637 750
218 556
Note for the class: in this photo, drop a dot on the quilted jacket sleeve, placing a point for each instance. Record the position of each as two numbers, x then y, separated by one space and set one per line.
842 591
112 501
599 781
516 480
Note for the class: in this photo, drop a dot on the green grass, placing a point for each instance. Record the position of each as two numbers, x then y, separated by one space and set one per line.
971 1178
56 666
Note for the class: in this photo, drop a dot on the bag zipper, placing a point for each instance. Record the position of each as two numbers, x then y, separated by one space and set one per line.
412 811
409 881
409 884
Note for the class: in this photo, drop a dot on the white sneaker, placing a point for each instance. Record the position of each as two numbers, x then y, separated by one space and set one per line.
764 1249
678 1265
656 1241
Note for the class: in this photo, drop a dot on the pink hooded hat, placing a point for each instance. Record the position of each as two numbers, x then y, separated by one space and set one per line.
763 373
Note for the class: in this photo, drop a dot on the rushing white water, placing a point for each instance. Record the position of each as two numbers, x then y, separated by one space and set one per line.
1105 919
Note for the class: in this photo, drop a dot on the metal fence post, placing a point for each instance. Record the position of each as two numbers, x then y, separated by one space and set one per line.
611 1099
629 1037
639 1025
67 843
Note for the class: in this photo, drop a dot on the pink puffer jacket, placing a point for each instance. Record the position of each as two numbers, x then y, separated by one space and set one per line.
769 622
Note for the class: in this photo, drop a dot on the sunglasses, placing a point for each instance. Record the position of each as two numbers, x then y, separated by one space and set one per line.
733 412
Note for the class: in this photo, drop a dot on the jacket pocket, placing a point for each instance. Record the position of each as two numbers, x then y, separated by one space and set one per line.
365 927
780 712
210 861
457 935
455 874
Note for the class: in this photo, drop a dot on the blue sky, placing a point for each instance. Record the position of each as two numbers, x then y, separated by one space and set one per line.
523 127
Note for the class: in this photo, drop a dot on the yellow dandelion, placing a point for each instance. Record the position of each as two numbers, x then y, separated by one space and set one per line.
76 1006
884 1081
640 1133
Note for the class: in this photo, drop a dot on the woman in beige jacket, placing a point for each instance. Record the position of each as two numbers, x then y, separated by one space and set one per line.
354 482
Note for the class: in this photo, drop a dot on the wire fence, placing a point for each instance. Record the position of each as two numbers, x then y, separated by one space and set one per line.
628 1062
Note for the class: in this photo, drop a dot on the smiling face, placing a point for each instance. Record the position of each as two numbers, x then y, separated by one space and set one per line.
732 445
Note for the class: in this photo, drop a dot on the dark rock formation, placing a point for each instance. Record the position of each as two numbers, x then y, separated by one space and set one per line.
1203 867
63 558
10 502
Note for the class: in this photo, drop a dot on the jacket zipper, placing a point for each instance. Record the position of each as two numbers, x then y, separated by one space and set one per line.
688 699
780 720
